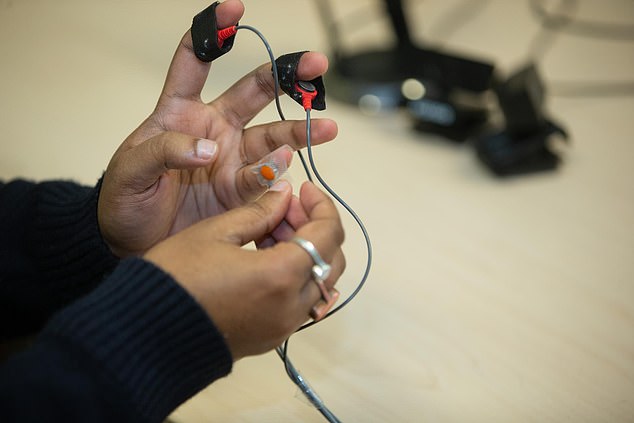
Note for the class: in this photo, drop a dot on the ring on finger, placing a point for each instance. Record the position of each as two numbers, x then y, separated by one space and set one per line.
320 270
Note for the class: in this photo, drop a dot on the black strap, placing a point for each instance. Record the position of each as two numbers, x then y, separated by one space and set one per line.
205 36
287 75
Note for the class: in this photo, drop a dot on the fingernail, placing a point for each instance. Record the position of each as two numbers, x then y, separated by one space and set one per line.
205 149
281 185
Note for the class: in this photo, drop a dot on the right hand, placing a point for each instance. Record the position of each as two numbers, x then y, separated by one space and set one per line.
163 179
257 299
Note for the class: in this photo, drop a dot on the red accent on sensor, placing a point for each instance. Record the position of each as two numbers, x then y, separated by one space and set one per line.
225 33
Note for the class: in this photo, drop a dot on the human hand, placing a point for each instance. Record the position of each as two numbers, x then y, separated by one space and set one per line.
191 160
257 298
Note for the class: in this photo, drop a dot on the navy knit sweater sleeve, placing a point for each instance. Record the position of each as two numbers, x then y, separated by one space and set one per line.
125 341
51 251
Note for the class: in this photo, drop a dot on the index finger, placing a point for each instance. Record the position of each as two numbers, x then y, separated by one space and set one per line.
187 75
247 97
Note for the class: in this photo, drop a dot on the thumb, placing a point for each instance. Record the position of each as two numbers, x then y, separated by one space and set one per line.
146 162
255 220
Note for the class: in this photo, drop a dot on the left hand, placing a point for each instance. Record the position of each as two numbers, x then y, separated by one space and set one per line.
164 178
257 299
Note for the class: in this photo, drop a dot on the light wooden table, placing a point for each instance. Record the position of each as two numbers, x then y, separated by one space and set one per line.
489 300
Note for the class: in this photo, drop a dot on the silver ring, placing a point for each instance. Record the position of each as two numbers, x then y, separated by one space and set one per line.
321 269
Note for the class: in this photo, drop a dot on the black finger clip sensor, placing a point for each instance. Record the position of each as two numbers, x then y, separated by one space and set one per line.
287 65
205 36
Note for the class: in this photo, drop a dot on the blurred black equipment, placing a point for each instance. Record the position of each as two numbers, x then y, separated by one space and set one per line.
375 78
523 145
447 94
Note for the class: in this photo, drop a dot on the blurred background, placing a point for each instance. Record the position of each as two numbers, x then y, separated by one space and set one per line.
491 298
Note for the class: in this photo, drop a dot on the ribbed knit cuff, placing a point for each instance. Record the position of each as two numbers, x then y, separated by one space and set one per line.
65 239
148 334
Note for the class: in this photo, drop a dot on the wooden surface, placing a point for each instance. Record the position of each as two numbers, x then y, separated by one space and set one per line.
489 300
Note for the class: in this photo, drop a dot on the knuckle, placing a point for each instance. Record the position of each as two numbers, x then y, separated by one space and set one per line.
339 266
155 150
264 81
257 210
186 43
336 233
269 139
339 233
248 187
343 263
280 277
261 213
336 224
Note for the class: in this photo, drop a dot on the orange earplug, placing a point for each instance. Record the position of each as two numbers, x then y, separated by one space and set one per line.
267 172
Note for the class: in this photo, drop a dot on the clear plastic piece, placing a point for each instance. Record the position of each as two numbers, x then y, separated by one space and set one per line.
268 172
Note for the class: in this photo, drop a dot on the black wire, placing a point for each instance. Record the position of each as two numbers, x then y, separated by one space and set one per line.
276 86
303 385
321 180
282 351
352 213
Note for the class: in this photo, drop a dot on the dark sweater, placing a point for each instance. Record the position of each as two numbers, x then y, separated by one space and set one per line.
116 340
